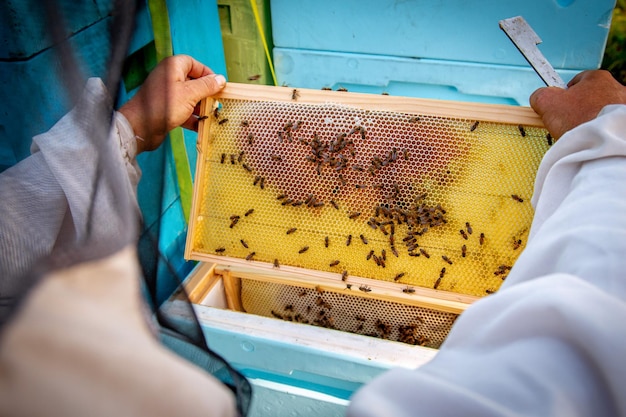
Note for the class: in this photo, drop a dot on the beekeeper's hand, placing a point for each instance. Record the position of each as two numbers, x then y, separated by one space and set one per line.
587 93
168 98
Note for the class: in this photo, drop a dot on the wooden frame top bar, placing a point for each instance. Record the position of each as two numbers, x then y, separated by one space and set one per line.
497 113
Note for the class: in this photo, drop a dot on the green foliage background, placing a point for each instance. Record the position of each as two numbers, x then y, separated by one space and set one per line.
615 53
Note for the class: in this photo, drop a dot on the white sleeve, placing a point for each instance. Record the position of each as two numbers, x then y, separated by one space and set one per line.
123 133
46 197
552 340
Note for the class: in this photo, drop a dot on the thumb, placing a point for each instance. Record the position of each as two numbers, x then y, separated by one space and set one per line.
543 98
205 86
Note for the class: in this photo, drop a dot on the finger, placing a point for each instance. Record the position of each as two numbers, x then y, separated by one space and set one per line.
578 78
534 98
205 86
191 123
194 68
542 98
196 110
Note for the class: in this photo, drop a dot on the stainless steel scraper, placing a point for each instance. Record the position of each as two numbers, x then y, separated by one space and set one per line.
526 40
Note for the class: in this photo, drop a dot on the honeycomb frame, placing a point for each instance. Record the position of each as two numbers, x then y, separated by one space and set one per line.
372 165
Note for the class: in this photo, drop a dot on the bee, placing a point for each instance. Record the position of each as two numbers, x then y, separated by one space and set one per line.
342 89
342 179
295 94
463 250
469 228
245 123
304 249
358 168
362 133
254 77
289 307
384 93
517 198
220 250
262 183
221 122
482 238
246 167
423 252
319 289
290 231
240 157
277 265
517 243
326 241
349 240
369 255
243 242
256 180
280 135
301 293
360 186
318 204
383 254
334 263
216 112
394 251
286 202
280 197
365 288
414 119
522 131
201 117
354 215
398 276
250 256
488 291
249 212
408 290
277 315
463 234
441 274
276 157
363 239
348 286
332 202
234 221
549 139
445 258
326 89
405 153
223 158
232 159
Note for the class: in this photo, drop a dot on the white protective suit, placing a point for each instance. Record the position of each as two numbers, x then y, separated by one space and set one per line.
552 340
81 343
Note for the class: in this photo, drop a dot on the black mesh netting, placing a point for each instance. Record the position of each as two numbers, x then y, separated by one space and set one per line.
75 183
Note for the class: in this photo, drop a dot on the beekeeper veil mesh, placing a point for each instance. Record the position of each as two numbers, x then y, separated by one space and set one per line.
71 199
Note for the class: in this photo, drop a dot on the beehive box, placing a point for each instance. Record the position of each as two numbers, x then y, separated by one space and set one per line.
373 214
